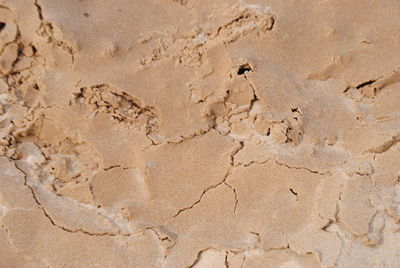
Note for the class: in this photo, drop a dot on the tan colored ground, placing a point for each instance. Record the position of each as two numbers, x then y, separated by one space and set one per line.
199 133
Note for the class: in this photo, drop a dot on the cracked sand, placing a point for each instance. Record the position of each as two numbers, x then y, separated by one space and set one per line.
186 133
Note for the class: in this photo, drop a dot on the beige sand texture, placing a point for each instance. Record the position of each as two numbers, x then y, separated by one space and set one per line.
199 133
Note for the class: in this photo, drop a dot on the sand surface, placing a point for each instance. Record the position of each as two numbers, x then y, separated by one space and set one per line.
199 133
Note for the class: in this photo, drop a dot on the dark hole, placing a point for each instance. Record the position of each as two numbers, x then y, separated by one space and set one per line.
2 26
20 52
293 192
366 83
295 110
244 68
86 14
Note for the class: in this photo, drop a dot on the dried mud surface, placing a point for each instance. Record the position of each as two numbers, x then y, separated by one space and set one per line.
188 133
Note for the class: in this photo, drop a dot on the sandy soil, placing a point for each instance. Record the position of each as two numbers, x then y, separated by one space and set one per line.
199 133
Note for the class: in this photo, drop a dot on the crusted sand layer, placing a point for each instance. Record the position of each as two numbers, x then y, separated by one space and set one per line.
199 133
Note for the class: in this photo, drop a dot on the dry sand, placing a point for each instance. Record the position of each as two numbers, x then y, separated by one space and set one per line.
199 133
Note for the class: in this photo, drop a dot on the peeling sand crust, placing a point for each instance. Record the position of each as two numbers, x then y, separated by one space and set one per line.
187 133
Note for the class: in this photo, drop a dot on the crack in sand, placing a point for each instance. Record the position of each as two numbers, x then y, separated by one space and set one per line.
321 173
227 174
51 220
385 146
46 30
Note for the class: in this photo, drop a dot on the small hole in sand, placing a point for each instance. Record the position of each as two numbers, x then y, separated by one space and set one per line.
244 68
2 26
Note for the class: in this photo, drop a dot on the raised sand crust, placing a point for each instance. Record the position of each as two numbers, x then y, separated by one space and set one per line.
199 133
